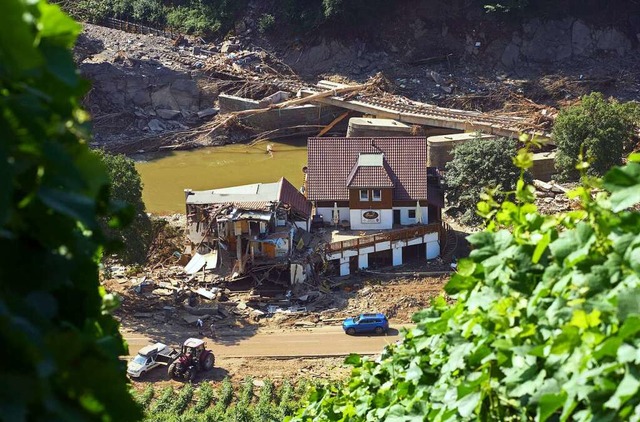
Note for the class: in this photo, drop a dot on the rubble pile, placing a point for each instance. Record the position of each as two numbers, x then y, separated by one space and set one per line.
166 295
147 89
551 197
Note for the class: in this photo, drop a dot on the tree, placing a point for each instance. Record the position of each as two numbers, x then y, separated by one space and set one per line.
600 130
506 6
60 346
545 323
126 187
476 165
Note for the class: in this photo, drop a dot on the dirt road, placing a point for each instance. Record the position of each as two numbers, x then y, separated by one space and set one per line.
315 342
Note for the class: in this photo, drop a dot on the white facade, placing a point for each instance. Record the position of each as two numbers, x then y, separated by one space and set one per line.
359 221
430 239
405 220
327 214
384 222
432 250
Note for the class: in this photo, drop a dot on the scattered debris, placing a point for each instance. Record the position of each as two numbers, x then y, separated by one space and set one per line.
551 197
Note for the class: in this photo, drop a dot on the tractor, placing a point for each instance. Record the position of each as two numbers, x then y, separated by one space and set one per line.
193 358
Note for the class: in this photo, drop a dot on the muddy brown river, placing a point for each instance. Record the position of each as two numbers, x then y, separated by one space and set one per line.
166 175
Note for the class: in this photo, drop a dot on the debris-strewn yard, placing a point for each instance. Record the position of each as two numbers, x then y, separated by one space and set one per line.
398 297
151 310
147 302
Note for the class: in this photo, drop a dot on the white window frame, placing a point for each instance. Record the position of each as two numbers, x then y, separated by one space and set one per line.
364 197
373 195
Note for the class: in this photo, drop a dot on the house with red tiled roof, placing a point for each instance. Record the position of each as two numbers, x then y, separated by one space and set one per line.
379 186
370 183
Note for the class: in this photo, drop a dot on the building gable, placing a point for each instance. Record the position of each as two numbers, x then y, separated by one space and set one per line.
336 164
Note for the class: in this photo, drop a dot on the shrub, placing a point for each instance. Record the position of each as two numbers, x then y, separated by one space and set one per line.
165 401
150 11
126 188
89 10
286 405
545 324
246 392
205 397
479 164
197 20
144 398
226 393
600 130
266 410
183 400
265 23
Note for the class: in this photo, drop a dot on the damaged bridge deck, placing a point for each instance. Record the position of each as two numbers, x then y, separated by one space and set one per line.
413 112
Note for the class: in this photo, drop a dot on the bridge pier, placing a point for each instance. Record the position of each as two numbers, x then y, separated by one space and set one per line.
344 266
397 256
433 245
363 260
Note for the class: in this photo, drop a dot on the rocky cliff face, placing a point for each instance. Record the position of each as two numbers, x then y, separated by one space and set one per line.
553 41
532 42
140 87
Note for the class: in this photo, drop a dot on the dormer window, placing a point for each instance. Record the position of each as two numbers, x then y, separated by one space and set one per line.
364 194
376 195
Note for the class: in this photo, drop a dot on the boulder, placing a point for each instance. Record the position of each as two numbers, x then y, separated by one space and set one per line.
581 39
141 98
156 125
547 42
611 39
510 55
186 94
539 184
162 98
207 112
167 113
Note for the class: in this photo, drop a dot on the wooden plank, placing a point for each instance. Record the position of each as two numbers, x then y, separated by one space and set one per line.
335 121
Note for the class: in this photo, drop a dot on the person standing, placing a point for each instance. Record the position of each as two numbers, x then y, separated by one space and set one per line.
199 324
212 330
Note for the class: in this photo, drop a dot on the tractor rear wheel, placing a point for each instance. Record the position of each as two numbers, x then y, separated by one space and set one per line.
208 362
172 370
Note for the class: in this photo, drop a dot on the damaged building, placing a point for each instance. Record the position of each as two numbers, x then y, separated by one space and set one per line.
258 230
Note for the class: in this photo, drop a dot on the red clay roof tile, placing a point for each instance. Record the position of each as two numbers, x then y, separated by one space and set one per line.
331 161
